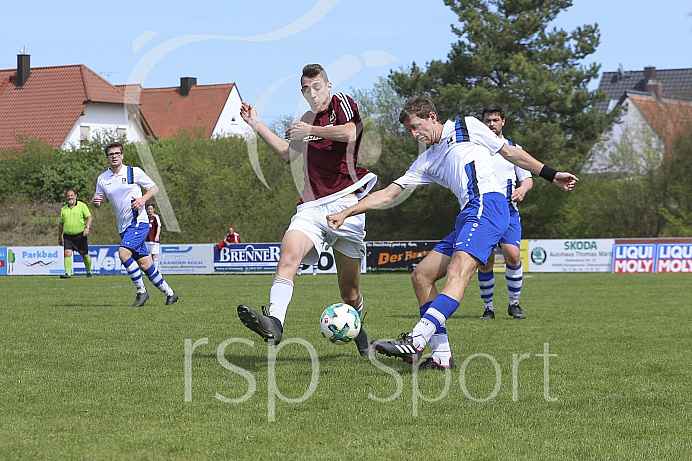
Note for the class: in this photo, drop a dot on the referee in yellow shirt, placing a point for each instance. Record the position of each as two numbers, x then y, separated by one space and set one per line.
75 221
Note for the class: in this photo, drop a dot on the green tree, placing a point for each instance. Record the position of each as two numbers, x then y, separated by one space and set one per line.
678 169
507 54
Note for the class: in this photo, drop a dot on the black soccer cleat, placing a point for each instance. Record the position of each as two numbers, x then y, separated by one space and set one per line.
364 343
430 364
402 348
515 311
65 276
487 314
140 299
172 299
268 327
88 275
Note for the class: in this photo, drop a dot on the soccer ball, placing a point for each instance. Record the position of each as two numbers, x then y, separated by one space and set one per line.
340 323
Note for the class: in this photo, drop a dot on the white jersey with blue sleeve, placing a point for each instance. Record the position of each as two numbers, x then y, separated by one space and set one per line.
121 189
460 161
508 174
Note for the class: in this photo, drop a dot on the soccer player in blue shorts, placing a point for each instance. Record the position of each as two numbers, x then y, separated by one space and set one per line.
458 158
122 186
493 116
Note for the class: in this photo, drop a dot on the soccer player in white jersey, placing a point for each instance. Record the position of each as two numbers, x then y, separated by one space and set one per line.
508 174
458 158
328 136
122 186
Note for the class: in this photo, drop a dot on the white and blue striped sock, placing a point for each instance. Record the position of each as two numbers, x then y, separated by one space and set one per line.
515 278
157 279
135 274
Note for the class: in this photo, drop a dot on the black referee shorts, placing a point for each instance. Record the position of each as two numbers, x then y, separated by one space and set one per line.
77 243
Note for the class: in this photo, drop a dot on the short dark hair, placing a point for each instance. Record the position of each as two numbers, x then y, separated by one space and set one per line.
70 189
312 71
418 106
111 146
151 205
492 109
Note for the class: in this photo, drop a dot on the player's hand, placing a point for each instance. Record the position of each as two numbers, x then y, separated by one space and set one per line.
565 180
518 195
97 199
249 114
336 220
298 131
138 203
85 232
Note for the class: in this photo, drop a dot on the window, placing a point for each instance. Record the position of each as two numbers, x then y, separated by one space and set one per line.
84 136
121 133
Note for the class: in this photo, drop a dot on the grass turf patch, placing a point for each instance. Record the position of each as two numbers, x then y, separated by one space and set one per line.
84 375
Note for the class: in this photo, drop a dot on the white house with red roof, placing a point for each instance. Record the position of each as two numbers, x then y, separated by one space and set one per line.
66 106
657 107
63 106
215 109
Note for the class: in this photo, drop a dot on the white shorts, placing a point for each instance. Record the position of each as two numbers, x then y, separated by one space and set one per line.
347 240
153 248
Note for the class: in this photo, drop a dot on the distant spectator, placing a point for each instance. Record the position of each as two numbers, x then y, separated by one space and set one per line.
231 237
153 235
75 221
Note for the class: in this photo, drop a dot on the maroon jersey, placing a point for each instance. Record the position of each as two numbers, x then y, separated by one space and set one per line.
154 224
330 166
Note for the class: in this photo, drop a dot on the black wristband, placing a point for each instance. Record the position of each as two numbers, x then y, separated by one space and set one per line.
547 173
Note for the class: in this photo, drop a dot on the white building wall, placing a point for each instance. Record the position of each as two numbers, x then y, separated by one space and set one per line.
106 119
632 124
230 123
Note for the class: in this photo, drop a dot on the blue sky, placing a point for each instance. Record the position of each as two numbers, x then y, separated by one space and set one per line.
262 45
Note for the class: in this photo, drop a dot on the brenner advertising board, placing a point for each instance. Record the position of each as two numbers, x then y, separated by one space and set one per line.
264 257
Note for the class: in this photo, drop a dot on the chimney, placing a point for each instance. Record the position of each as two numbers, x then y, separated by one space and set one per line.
23 69
186 84
649 73
656 88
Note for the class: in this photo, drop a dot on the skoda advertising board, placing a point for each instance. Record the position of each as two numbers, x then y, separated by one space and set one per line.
593 255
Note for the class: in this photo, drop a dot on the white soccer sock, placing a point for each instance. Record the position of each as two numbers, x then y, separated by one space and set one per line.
279 296
441 351
422 333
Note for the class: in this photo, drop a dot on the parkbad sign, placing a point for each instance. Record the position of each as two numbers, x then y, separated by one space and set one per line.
652 258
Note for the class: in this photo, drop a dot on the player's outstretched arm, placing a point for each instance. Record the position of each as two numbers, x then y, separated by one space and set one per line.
524 160
373 201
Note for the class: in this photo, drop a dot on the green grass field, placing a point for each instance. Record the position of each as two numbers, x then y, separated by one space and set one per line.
85 376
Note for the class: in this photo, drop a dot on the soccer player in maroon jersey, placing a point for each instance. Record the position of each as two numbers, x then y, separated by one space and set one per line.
153 237
328 137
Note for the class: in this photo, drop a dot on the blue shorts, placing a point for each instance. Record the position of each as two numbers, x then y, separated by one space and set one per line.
513 234
133 239
478 228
